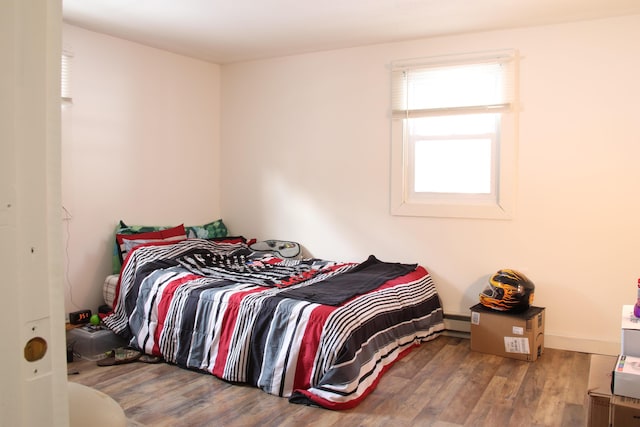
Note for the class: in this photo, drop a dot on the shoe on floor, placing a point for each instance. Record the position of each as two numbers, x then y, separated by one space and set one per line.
147 358
120 356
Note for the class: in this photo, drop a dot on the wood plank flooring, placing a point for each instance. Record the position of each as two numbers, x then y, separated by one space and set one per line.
442 383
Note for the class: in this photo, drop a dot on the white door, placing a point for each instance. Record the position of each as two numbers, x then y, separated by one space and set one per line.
32 343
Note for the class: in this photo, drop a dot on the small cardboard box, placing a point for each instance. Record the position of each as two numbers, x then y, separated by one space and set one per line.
630 332
515 335
625 411
599 390
92 342
626 376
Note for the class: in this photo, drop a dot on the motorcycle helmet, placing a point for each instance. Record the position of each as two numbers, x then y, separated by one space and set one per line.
508 290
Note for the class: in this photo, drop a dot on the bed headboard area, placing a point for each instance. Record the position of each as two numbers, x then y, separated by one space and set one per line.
127 236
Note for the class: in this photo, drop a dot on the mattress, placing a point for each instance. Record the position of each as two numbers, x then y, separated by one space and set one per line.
109 289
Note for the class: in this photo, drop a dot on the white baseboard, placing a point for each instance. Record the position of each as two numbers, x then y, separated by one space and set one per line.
460 326
582 345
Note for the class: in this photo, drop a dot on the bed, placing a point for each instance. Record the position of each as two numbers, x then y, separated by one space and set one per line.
317 332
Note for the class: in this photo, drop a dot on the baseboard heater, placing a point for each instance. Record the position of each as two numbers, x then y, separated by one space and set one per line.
457 325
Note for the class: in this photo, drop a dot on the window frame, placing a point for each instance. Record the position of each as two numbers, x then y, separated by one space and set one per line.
457 205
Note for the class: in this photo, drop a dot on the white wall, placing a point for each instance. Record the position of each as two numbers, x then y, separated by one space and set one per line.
140 143
305 143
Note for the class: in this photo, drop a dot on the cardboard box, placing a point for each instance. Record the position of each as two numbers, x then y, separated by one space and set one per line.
514 335
598 396
92 342
625 411
626 376
630 332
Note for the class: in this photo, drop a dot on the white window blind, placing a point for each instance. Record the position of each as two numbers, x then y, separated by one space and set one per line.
65 76
472 84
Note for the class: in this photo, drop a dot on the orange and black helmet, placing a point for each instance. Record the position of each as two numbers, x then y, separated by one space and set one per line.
508 290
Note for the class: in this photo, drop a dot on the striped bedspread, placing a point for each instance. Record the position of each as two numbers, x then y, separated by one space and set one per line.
257 319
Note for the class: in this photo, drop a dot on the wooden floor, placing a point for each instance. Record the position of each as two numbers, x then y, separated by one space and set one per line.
441 383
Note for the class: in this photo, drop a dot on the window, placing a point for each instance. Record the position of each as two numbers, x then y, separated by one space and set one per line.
453 136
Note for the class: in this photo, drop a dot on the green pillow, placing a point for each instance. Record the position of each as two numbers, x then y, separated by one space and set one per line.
206 231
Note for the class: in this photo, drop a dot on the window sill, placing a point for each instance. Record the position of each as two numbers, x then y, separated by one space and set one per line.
442 210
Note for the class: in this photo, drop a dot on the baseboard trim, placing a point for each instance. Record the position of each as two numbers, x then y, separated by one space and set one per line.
582 345
460 326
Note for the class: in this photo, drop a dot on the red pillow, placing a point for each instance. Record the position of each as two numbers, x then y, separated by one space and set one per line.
174 234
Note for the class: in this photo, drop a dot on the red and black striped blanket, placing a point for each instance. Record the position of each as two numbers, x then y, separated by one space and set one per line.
318 332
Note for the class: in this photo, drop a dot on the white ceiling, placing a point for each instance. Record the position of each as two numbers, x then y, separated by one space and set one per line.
225 31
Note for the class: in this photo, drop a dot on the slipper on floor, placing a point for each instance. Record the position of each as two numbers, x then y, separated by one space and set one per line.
120 356
146 358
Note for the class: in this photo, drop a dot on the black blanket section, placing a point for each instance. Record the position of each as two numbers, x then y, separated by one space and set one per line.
366 277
